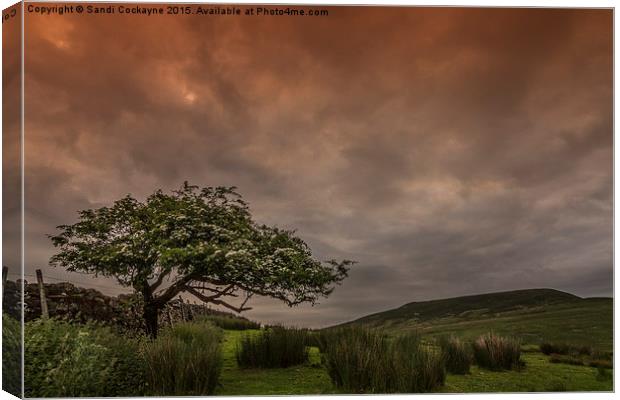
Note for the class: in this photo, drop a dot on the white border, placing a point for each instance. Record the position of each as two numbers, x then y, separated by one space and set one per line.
462 3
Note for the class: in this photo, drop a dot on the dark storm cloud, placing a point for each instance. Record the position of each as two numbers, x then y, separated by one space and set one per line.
448 151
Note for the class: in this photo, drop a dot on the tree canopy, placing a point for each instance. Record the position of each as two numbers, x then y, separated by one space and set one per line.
201 241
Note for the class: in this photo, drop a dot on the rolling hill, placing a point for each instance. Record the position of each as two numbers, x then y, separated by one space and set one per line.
533 315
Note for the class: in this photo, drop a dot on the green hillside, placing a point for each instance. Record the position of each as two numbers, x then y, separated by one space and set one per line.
533 315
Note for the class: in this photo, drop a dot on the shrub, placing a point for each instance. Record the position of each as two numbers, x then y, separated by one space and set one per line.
598 363
360 360
602 355
11 355
497 353
562 359
276 347
585 350
548 348
456 355
232 323
554 348
184 360
71 360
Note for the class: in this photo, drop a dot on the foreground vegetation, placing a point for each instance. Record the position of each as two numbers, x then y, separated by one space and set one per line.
11 355
277 347
71 360
360 360
200 358
497 353
457 355
184 361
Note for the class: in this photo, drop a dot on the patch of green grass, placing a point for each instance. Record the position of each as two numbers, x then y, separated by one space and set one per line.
309 378
539 375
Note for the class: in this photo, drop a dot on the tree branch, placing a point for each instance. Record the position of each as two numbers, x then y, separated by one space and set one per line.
174 289
159 280
228 291
214 299
247 297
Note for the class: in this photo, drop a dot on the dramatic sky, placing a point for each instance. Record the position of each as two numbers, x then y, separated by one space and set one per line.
448 151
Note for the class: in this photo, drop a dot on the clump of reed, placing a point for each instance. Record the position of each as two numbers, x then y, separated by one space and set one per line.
185 360
276 347
497 353
456 354
361 360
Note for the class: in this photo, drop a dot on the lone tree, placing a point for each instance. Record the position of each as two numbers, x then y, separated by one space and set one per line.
202 241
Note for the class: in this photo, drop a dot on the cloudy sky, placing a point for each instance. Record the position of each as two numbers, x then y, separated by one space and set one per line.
448 151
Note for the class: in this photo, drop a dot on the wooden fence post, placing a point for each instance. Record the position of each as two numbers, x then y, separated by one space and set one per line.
169 316
182 305
190 312
44 311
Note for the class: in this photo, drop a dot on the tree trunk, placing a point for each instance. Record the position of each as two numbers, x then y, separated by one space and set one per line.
151 311
151 314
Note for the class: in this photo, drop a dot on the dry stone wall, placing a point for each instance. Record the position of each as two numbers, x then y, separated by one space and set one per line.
78 304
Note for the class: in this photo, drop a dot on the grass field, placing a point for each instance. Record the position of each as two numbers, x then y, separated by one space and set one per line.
532 315
587 322
539 375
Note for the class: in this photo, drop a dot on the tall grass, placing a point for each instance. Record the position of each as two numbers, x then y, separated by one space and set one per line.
74 360
11 355
413 367
355 359
360 360
185 360
497 353
319 338
276 347
456 355
232 323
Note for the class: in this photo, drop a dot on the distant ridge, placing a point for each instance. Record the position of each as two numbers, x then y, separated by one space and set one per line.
481 304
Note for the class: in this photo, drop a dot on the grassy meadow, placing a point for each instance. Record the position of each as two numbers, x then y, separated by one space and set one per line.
557 346
539 375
